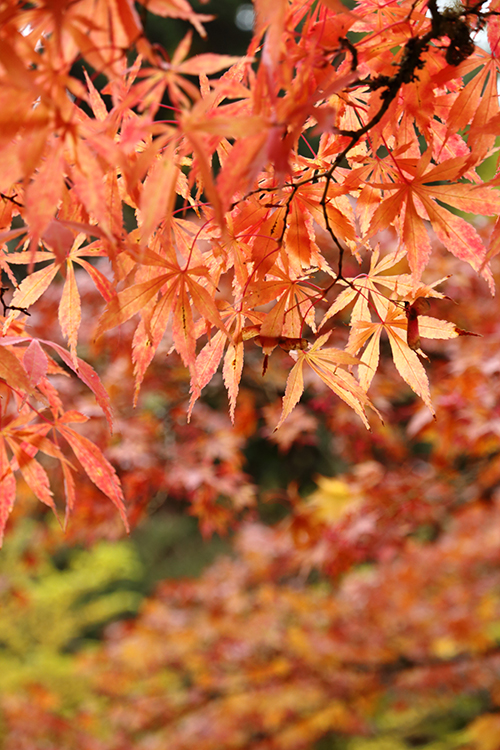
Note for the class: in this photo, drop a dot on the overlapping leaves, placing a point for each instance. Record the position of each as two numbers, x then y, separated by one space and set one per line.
221 227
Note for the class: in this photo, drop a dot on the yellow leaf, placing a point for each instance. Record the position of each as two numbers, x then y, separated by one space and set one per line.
445 647
331 500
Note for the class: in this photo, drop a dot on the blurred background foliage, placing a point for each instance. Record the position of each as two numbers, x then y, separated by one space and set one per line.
55 600
228 33
99 639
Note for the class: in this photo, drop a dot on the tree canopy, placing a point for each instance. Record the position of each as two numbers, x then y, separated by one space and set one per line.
258 289
187 190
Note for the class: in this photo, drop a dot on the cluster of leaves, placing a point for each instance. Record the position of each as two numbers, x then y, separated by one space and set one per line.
226 213
293 199
367 618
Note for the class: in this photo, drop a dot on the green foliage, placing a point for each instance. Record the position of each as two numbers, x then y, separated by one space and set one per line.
47 612
429 725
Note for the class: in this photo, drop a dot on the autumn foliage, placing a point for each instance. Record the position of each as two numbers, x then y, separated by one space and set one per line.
237 231
277 226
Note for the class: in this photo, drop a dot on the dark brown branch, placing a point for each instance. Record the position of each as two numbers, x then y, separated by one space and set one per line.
6 307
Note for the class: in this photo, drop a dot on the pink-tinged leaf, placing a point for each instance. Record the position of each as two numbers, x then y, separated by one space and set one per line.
32 287
247 157
87 375
88 182
207 362
34 441
12 371
332 357
70 311
270 17
209 358
33 473
205 171
178 9
158 194
23 257
293 391
226 127
343 299
95 99
466 104
481 142
35 363
494 247
231 374
60 240
361 331
12 234
451 169
148 335
7 488
207 63
97 468
10 340
494 30
128 303
44 192
90 378
474 199
147 257
341 217
461 239
267 291
161 313
102 284
51 394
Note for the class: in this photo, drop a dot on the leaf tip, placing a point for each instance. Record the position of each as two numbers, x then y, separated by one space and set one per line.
463 332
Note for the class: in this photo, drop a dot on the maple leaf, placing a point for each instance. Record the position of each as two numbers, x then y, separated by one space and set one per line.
415 185
178 9
363 289
477 104
180 291
223 223
97 467
63 258
326 364
36 365
403 339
